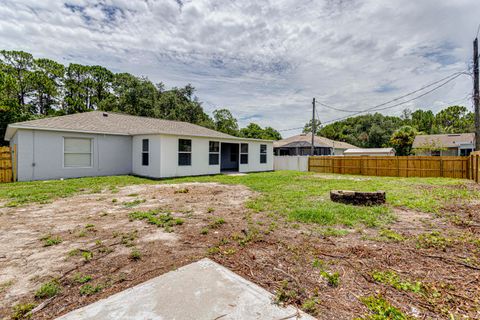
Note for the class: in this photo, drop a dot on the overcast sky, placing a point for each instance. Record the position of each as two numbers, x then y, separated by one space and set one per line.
264 60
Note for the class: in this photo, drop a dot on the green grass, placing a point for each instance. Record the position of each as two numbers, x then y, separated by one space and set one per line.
19 193
298 196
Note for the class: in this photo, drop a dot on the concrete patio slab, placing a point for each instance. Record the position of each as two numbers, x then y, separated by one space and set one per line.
201 290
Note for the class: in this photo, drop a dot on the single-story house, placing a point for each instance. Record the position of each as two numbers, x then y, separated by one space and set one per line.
455 144
370 152
105 143
301 145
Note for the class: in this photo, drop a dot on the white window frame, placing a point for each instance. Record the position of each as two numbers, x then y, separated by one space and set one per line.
63 153
244 153
184 152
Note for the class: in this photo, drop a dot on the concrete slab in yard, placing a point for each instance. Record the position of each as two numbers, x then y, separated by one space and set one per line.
201 290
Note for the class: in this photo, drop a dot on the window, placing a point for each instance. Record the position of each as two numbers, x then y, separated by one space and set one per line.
214 153
244 153
145 152
465 152
77 152
184 152
436 153
263 153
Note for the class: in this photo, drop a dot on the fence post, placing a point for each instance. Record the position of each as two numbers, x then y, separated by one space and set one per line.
441 168
476 168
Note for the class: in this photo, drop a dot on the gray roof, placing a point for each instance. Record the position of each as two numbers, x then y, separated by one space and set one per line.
117 124
443 140
305 140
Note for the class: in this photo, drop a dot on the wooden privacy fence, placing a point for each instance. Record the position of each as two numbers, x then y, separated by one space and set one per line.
411 166
6 172
474 166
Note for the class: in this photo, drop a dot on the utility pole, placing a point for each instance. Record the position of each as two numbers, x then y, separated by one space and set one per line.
476 97
314 129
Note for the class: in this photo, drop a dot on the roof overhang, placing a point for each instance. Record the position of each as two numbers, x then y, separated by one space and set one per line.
12 129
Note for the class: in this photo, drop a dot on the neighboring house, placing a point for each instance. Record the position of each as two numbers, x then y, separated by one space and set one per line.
370 152
301 145
104 143
455 144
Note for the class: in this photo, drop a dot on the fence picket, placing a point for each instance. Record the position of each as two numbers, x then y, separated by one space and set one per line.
411 166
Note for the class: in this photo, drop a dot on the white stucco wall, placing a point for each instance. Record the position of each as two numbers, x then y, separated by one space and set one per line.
200 155
40 155
153 168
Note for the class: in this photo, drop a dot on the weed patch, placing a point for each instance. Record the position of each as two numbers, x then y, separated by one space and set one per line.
164 220
136 202
21 311
433 239
88 289
48 290
393 279
50 240
381 309
135 255
80 278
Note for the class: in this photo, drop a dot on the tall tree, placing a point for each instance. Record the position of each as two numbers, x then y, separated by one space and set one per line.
455 119
308 126
225 122
19 64
402 140
47 86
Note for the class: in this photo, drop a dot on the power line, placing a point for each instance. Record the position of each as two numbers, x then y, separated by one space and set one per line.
453 75
398 104
445 80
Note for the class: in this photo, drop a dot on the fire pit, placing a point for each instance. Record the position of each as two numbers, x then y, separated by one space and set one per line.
358 198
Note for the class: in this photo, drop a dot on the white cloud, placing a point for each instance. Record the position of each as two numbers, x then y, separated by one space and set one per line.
263 59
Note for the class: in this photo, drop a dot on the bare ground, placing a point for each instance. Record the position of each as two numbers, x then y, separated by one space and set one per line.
276 254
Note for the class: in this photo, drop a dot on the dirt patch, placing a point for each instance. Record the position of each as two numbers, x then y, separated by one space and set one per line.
99 224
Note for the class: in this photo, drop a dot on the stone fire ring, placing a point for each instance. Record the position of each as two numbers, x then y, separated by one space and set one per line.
358 198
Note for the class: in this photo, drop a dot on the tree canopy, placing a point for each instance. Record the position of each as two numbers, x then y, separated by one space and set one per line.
33 88
376 130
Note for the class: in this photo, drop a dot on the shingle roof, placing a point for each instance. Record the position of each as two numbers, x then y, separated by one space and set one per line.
443 140
306 139
116 123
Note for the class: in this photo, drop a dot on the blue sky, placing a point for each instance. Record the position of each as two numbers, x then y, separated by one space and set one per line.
264 60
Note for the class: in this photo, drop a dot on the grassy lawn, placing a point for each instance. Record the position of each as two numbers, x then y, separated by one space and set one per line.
299 196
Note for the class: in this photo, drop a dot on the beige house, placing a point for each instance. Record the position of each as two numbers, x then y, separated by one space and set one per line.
458 144
370 152
301 145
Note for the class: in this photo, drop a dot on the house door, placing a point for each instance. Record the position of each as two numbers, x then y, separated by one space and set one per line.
229 157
